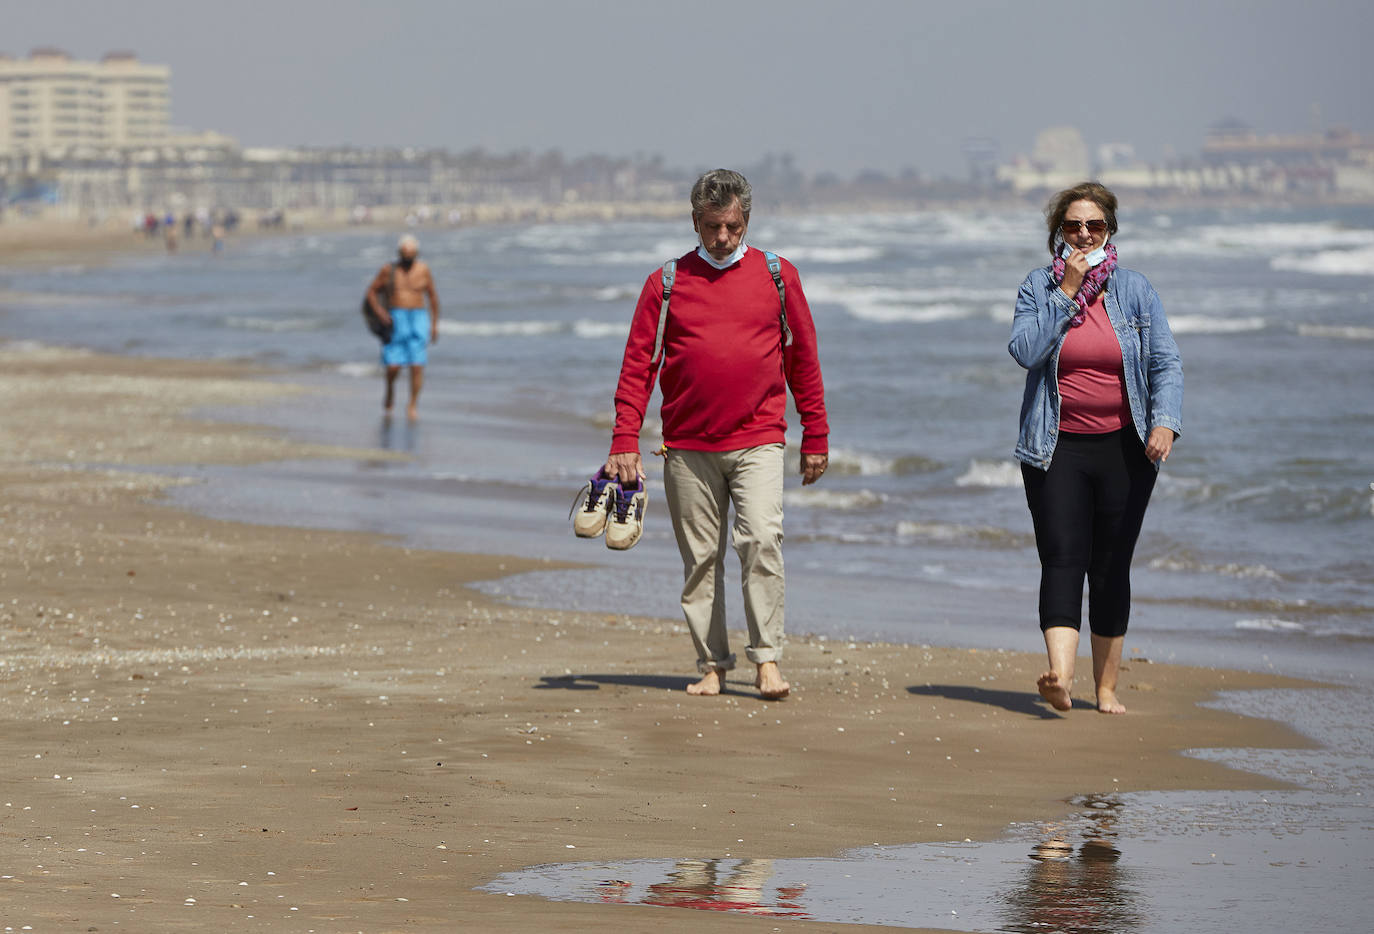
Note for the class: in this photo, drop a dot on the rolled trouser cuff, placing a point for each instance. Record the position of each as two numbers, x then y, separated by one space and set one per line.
759 656
708 665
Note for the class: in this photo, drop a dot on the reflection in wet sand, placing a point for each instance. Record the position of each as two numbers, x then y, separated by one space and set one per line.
398 436
1087 893
715 885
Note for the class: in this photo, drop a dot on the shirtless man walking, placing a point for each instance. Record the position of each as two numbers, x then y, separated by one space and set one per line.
413 327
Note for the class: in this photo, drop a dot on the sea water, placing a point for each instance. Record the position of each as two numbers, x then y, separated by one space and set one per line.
1258 547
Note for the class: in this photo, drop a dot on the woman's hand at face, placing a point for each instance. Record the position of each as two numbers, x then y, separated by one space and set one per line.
1075 270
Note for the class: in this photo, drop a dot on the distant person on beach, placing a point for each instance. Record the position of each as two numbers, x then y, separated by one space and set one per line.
398 295
1102 408
729 356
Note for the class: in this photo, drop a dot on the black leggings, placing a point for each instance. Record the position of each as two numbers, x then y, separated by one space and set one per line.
1087 509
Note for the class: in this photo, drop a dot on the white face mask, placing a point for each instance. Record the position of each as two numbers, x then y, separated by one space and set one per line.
726 263
1095 258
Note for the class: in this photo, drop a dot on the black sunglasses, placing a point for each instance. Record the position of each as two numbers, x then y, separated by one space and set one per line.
1071 227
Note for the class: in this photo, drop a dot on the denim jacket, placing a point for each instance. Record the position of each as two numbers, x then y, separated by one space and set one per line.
1152 366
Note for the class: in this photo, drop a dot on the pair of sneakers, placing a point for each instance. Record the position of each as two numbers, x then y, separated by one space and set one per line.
605 505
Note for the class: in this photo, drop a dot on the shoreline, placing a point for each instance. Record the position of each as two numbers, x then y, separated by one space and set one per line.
197 703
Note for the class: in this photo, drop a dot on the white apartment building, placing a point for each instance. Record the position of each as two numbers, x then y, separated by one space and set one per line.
52 104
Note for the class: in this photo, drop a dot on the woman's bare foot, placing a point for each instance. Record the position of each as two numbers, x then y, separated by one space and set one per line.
1054 692
1107 702
770 683
709 685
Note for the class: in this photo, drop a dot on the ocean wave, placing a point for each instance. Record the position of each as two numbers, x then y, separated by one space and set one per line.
600 330
982 535
920 314
1337 331
499 328
843 500
992 474
36 350
1188 563
617 293
1274 239
356 370
1349 262
275 324
1269 624
831 254
887 305
646 259
844 461
1207 324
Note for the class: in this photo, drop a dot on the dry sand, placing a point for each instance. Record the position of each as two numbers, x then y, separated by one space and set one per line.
216 726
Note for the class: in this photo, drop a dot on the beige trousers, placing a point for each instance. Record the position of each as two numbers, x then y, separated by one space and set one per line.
700 487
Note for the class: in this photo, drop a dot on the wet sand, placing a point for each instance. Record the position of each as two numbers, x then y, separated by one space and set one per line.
211 725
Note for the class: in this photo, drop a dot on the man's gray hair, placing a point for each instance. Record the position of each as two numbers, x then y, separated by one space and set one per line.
409 240
718 189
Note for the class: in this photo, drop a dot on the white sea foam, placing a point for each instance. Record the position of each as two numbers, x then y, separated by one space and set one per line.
1337 331
1187 563
992 474
918 314
1208 324
1270 624
645 259
846 461
617 293
846 500
1275 240
1352 262
856 462
499 328
971 534
356 370
274 324
831 254
887 305
600 330
36 350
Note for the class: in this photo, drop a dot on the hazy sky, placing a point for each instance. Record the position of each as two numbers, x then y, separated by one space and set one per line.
841 84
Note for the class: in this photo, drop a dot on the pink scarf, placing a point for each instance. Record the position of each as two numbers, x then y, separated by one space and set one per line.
1093 282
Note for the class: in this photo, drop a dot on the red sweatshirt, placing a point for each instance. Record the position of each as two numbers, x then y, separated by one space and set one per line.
725 374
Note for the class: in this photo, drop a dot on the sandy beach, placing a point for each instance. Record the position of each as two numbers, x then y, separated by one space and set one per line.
211 725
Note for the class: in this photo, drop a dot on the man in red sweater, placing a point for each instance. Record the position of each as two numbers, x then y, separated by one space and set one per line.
725 371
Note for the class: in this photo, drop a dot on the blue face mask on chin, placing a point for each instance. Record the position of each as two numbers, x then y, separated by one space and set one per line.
1095 258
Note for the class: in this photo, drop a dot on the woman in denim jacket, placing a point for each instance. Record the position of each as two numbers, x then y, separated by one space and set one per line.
1102 408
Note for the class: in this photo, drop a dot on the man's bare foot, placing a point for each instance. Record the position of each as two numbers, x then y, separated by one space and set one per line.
1107 702
770 683
1054 692
412 412
709 685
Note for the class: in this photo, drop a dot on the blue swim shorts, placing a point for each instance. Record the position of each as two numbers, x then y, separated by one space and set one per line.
409 338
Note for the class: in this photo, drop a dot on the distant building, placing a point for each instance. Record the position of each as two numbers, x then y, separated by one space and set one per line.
1061 149
50 103
1060 159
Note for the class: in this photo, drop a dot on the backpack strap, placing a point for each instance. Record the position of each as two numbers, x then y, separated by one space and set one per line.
669 271
775 267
